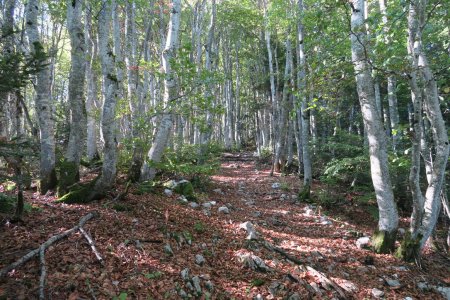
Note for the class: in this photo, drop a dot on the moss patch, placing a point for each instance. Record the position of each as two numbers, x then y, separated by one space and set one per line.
409 249
383 241
186 189
68 175
81 193
305 194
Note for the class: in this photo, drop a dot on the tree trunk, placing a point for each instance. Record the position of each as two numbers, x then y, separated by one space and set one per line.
426 211
44 106
91 87
388 216
110 89
69 173
170 92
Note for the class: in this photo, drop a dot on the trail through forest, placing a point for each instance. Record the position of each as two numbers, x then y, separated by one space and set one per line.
155 246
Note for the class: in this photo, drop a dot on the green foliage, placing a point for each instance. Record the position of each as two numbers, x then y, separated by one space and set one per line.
121 296
326 199
186 189
7 203
347 169
199 227
153 275
258 282
145 187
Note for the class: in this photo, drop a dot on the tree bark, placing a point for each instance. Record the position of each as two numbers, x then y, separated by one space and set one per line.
43 101
155 153
110 90
69 173
388 216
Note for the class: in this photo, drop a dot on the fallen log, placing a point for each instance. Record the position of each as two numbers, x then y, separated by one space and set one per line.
46 244
325 281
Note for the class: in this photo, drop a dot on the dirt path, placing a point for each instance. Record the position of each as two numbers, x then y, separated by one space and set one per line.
135 234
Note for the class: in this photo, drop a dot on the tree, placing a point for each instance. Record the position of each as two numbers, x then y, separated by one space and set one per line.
43 101
170 93
384 240
70 168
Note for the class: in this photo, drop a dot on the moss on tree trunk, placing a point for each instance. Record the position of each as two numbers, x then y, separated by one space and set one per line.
68 175
47 182
81 194
409 249
305 193
383 241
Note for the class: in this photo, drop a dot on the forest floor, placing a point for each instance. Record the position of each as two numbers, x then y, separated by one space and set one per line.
307 253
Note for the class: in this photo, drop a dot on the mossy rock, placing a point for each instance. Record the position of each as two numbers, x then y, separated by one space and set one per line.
409 249
80 194
383 241
68 175
186 189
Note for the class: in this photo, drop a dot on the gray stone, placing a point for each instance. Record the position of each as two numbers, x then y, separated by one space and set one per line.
408 298
308 212
253 262
294 197
275 287
168 192
377 293
284 197
183 199
190 286
218 191
182 294
213 202
393 282
248 226
252 236
185 274
276 185
400 268
196 282
207 205
193 204
256 214
294 296
223 210
258 297
168 249
445 291
199 259
207 212
363 242
423 286
209 285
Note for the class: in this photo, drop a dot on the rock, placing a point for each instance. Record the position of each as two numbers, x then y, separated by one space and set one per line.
190 286
284 197
348 286
275 287
253 262
408 298
445 291
363 242
308 212
199 259
377 293
276 185
207 212
248 226
258 297
218 191
256 214
207 205
182 294
294 197
168 250
182 199
224 210
185 188
249 202
196 283
209 285
400 268
170 184
423 286
193 204
393 282
185 274
213 202
327 222
294 296
401 232
168 192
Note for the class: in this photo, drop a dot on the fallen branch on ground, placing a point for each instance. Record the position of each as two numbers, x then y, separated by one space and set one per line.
325 281
92 244
286 255
45 245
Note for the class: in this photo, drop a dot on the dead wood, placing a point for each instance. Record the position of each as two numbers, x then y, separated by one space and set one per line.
92 244
45 245
286 255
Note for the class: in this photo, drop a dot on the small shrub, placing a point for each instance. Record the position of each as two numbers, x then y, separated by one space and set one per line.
199 227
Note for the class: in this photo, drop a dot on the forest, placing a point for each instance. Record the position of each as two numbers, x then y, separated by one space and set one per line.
224 149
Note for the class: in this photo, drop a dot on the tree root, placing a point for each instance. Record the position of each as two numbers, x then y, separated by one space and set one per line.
44 246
